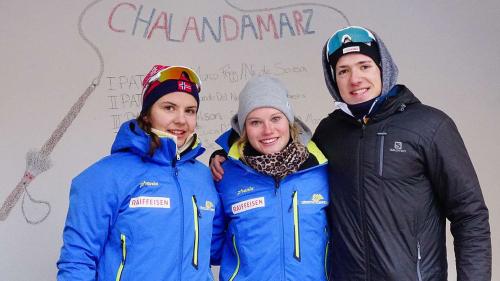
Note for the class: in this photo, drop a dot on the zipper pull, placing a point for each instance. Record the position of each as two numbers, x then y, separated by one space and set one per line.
197 207
174 163
418 251
276 186
178 156
291 203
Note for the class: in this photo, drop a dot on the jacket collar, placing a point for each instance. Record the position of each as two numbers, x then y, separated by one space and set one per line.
132 138
396 100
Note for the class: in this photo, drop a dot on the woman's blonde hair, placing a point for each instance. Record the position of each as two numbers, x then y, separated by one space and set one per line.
243 140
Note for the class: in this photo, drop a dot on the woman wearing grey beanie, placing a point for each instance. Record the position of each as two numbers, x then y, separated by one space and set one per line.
274 192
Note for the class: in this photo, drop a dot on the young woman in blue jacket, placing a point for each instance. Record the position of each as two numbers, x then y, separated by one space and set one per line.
145 212
274 192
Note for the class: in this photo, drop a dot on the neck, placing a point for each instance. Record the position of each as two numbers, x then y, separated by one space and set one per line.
360 110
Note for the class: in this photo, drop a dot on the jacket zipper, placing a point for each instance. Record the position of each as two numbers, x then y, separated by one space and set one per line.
282 256
381 135
181 223
296 232
363 207
237 269
196 216
419 259
326 258
123 243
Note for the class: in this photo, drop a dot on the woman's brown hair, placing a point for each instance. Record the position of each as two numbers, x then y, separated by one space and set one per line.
145 125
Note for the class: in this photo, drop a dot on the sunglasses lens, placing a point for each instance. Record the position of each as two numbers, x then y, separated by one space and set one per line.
179 73
350 34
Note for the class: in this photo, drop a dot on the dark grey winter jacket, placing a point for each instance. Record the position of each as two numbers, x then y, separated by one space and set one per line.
394 181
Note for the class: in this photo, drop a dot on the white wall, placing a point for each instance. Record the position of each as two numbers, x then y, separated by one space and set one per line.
446 52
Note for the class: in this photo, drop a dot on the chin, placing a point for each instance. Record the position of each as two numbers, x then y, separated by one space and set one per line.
270 150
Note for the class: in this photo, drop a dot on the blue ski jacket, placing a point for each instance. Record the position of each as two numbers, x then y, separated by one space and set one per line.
275 230
136 217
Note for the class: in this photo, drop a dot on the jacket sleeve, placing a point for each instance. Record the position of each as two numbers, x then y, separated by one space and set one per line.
454 179
218 233
90 214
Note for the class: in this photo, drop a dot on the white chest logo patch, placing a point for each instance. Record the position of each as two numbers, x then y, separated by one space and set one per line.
249 204
149 202
398 147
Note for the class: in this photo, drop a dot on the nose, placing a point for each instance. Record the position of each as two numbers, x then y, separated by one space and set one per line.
267 128
180 117
355 77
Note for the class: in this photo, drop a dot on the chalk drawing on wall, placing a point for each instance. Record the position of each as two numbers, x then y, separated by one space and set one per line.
290 6
38 161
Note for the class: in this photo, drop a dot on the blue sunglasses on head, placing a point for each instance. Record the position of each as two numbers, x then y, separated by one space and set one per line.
355 34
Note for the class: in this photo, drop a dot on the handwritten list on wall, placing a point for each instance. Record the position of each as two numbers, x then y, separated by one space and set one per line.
221 83
217 103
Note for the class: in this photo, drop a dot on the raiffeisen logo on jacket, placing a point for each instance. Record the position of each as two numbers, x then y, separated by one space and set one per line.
149 202
249 204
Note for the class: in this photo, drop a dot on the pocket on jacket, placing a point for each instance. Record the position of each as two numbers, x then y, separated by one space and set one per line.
419 261
397 155
238 260
123 247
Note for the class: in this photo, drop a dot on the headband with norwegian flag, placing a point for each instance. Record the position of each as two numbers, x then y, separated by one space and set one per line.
162 80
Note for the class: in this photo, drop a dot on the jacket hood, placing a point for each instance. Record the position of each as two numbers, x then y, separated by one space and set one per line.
389 71
132 138
397 100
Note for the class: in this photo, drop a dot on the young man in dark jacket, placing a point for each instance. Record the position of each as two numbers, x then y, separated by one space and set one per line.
398 169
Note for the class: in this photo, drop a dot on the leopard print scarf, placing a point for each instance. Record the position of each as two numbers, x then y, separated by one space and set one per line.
279 164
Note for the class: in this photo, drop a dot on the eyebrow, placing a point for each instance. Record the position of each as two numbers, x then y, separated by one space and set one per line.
167 103
254 118
174 104
271 116
357 63
364 61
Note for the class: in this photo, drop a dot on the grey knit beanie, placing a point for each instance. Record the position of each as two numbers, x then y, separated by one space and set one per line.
263 91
